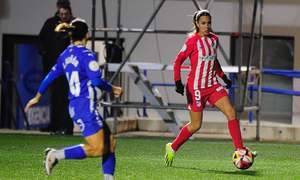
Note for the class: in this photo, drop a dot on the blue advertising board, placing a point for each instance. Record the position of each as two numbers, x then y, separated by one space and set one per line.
29 75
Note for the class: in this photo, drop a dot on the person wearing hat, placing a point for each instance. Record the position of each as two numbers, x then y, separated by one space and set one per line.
51 44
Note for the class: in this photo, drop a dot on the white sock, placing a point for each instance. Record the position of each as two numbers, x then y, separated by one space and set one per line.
108 177
59 154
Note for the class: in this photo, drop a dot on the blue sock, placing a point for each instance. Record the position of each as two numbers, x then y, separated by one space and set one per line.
109 163
74 152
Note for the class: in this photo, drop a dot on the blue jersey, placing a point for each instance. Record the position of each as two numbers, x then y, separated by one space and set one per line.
80 67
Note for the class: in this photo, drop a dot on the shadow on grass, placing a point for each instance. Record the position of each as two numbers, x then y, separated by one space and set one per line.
234 172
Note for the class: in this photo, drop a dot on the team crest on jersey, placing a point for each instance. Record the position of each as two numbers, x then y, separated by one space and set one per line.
198 103
93 65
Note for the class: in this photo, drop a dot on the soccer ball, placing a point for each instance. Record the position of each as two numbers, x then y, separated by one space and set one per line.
243 158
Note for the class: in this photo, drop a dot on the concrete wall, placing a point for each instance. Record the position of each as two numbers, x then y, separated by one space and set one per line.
280 16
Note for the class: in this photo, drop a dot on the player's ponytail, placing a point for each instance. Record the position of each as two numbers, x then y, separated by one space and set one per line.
76 30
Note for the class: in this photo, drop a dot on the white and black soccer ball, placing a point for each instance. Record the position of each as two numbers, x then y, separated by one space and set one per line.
243 158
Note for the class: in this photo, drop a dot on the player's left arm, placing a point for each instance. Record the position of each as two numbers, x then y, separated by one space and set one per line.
222 75
55 72
219 70
104 85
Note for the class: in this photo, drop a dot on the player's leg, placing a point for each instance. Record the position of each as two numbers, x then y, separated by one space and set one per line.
94 147
233 123
188 130
185 133
108 158
196 106
92 131
102 144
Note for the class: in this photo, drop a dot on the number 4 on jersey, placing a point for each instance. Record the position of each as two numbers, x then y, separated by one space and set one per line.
74 83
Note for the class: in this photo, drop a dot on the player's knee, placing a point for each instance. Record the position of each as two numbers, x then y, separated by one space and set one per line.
194 127
96 151
197 127
230 113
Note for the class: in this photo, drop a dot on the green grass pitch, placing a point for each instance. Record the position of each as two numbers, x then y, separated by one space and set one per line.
21 157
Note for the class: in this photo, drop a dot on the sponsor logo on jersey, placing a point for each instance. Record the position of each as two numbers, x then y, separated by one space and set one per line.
71 60
209 58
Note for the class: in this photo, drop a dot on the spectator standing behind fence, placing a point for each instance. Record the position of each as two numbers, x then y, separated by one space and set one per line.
51 44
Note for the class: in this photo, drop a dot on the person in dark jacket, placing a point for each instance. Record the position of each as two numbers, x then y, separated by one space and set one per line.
51 44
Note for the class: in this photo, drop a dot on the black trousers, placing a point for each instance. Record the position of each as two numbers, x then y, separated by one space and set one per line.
60 120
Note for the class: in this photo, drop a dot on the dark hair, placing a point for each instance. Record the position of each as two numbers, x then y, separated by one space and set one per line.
67 8
197 16
78 30
63 3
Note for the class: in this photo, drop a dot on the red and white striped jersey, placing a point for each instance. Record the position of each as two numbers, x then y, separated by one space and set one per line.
202 52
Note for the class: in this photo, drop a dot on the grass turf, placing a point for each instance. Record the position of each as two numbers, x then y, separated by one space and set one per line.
21 157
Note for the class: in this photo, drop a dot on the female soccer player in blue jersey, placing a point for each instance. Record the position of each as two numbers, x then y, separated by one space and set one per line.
80 67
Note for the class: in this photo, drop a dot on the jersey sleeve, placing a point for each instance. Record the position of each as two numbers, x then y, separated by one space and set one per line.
54 73
218 69
185 51
92 68
94 73
217 65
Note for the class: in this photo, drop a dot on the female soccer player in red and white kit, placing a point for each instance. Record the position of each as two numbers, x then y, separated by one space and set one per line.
202 84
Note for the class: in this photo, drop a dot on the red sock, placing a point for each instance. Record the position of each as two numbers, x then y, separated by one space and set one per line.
235 132
183 136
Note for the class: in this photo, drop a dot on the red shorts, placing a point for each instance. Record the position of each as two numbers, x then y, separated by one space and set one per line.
197 98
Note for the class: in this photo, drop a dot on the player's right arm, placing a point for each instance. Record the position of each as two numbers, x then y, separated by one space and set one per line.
185 51
55 72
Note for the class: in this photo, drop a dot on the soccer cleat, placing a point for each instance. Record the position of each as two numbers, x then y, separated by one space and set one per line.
108 177
254 153
170 154
49 161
